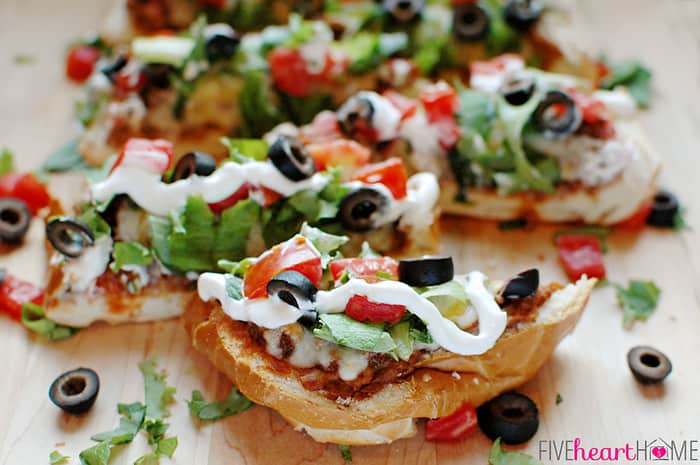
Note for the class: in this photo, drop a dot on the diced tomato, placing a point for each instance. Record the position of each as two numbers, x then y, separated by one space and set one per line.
80 62
289 71
364 267
294 255
26 187
448 132
340 152
439 100
15 292
218 4
592 109
638 219
581 254
603 72
268 196
360 308
497 65
241 193
323 128
453 427
406 106
155 155
390 173
125 83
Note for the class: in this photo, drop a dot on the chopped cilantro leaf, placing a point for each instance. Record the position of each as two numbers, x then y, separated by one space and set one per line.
559 399
638 301
7 161
345 452
234 403
56 458
499 456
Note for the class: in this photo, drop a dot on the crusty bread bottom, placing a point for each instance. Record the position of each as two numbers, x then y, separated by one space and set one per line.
439 385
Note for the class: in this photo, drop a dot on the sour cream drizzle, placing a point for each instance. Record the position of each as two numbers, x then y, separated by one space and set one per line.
274 313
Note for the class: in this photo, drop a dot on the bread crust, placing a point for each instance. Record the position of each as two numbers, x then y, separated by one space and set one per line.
439 385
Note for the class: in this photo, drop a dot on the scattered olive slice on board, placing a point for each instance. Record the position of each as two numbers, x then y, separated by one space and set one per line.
69 236
356 112
648 365
557 115
293 288
522 285
360 209
470 22
15 218
75 391
426 271
114 67
194 163
403 11
663 210
513 417
220 41
291 158
522 14
518 88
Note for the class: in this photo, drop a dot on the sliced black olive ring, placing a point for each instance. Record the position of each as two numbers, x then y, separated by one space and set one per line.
664 210
513 417
426 271
356 112
296 290
522 14
114 67
194 163
69 236
75 391
648 365
518 88
523 285
403 11
291 158
557 115
220 41
360 209
470 22
15 218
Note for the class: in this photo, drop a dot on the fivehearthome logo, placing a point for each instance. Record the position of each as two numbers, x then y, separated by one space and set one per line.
659 449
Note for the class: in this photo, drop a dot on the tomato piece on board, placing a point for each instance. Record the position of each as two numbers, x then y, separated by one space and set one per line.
390 173
297 254
360 308
364 267
339 153
638 219
439 100
155 155
453 427
406 106
26 187
80 62
14 292
581 254
289 71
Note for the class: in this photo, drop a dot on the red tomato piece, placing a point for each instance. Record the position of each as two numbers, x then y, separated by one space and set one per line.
453 427
323 128
153 154
360 308
448 132
241 193
340 152
390 173
581 254
218 4
289 71
26 187
592 109
406 106
638 219
15 292
497 65
294 255
439 100
126 83
364 267
80 62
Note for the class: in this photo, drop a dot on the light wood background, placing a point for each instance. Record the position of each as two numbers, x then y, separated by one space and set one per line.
601 402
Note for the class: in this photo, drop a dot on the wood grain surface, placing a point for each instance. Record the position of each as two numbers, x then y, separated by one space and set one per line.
602 404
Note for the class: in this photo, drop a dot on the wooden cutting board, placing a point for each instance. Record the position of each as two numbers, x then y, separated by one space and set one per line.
601 404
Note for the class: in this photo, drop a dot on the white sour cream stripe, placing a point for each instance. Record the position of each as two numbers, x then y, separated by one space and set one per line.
273 313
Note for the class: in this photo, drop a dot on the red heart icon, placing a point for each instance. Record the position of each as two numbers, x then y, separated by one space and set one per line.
658 452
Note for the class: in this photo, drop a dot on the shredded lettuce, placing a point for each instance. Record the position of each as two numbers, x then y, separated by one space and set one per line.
344 331
129 253
498 456
450 297
367 50
242 150
327 244
34 319
633 75
234 403
7 161
401 334
258 104
130 423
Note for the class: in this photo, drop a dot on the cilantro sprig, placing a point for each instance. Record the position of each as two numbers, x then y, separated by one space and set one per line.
234 403
637 301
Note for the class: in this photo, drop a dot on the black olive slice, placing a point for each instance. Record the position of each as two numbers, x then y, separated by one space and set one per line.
513 417
158 74
15 218
557 115
220 41
664 210
403 11
518 88
426 271
69 236
470 22
194 163
308 319
648 365
361 208
291 158
294 289
356 113
522 14
75 391
523 285
111 70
